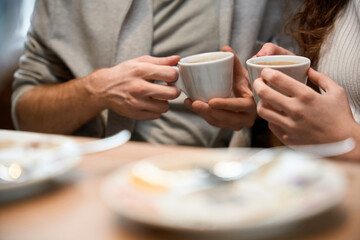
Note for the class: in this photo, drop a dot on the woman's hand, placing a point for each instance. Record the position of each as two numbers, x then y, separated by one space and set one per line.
232 113
300 115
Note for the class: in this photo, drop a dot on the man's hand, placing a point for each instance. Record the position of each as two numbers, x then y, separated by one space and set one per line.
232 113
129 89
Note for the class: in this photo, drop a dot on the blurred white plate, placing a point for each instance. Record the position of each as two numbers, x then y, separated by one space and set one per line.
41 156
292 188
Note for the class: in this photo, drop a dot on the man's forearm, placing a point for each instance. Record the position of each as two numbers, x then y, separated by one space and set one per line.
60 108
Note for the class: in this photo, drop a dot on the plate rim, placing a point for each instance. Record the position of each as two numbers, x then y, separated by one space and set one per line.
71 162
341 176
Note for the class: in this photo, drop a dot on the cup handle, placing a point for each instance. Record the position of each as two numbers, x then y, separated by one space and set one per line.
179 83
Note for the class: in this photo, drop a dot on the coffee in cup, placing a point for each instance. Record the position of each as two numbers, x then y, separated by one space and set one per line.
291 65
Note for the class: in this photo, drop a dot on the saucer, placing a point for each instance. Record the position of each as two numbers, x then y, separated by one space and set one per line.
158 191
29 159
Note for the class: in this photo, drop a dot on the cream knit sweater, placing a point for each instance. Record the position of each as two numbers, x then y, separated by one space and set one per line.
340 54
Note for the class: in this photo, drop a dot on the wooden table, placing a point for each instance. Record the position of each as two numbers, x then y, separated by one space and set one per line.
73 208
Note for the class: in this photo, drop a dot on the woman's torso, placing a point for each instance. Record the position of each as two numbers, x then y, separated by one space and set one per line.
340 54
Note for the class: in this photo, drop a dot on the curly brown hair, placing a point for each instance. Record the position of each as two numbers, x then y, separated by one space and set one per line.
312 24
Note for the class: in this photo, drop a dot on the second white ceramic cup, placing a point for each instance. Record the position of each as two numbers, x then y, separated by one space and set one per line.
297 71
207 75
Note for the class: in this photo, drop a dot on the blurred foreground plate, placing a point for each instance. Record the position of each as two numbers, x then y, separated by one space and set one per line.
292 188
36 157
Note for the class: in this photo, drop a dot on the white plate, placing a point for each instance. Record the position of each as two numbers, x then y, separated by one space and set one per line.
41 157
294 187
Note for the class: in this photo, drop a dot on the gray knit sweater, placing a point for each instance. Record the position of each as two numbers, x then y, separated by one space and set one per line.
70 39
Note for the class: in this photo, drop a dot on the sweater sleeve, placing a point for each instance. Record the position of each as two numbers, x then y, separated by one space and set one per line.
42 63
39 64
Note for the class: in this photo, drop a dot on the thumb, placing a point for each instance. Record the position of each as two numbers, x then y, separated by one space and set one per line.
241 82
321 80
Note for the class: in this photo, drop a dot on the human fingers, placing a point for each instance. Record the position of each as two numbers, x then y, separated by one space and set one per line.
233 104
222 118
270 114
272 49
284 83
169 61
156 106
279 132
200 108
238 68
321 80
241 82
270 95
188 103
158 91
134 104
151 72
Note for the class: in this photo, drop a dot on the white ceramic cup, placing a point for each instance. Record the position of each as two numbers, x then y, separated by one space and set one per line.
297 71
207 75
